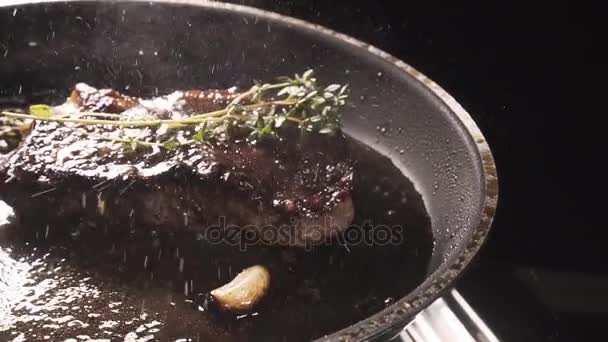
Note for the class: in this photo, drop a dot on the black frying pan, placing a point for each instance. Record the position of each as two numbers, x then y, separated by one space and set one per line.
46 47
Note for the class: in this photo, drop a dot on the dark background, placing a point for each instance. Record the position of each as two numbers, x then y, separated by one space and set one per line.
529 74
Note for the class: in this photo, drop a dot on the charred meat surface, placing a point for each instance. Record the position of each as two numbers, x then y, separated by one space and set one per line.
289 192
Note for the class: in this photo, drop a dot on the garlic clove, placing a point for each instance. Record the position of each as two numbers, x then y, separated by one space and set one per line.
245 291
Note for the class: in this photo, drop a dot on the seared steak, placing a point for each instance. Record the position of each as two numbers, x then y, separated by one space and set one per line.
294 191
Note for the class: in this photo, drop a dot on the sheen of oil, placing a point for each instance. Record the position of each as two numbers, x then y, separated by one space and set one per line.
73 280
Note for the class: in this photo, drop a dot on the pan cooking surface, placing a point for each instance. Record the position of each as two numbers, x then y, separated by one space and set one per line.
77 281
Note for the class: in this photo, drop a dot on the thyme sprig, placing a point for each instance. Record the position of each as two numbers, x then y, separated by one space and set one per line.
262 111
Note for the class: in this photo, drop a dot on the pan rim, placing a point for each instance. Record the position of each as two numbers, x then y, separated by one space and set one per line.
398 313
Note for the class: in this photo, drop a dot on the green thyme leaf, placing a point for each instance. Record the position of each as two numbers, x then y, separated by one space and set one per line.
332 88
170 144
326 130
307 74
266 131
316 118
41 111
290 90
343 89
200 136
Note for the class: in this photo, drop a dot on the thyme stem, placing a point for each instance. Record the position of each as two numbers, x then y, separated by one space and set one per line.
134 123
101 115
301 101
196 119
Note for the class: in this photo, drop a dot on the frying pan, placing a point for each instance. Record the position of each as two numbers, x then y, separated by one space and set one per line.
156 46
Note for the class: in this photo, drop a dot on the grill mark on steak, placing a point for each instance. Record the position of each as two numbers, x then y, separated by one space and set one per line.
295 191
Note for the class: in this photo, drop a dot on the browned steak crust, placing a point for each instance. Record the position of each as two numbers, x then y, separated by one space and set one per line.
294 191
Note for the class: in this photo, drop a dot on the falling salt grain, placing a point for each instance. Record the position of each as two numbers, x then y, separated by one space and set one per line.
146 262
181 265
46 233
83 200
101 205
